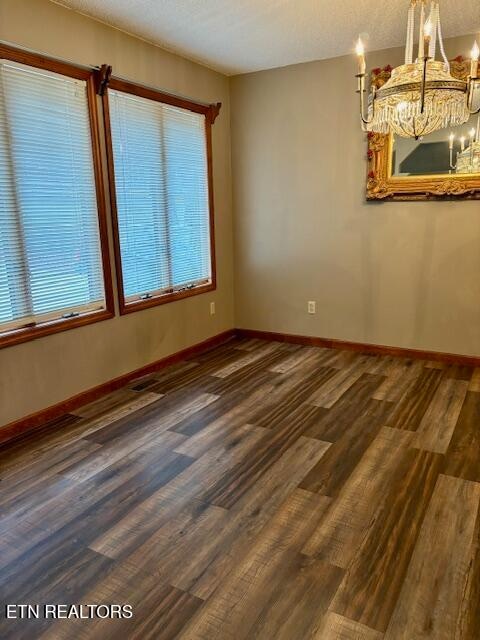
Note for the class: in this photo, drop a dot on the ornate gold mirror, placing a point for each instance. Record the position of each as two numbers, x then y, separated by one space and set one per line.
443 164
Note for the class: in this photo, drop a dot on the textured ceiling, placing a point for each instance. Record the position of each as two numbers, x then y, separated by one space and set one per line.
237 36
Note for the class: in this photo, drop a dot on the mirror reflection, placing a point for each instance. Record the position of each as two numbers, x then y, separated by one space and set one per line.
447 151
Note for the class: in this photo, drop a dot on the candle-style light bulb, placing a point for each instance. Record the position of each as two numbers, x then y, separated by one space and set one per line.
475 54
472 140
427 36
462 143
451 138
360 51
359 48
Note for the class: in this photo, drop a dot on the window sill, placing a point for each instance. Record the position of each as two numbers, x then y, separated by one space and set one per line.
16 336
139 305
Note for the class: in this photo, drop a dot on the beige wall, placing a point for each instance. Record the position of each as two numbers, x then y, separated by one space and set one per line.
40 373
404 274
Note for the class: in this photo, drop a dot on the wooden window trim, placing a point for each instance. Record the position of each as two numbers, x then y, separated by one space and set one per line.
210 111
23 334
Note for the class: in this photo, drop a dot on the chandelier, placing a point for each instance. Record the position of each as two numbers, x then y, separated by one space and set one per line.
468 158
421 95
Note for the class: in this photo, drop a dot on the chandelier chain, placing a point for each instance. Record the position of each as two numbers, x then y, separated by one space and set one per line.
440 42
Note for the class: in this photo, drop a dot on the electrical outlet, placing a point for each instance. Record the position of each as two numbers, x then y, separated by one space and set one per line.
212 308
312 306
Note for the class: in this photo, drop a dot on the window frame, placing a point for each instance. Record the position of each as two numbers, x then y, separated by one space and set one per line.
210 111
48 327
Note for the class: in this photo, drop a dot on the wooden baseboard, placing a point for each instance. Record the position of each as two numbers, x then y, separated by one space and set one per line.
376 349
22 426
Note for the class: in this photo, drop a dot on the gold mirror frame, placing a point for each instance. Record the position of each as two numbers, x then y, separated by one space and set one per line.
381 185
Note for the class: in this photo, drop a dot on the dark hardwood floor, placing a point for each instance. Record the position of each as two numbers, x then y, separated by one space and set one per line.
261 490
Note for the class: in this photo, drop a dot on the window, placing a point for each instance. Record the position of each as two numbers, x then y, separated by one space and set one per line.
160 179
52 260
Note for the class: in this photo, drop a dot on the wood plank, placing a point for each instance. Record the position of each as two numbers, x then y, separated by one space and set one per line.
15 481
248 344
430 602
438 423
250 376
16 540
398 379
344 526
293 391
155 418
224 427
106 404
69 537
459 372
335 627
246 380
193 377
224 351
118 450
474 384
192 530
97 422
140 523
332 471
140 470
468 626
463 455
151 379
435 364
229 489
159 611
296 603
372 582
334 388
19 454
212 557
385 365
411 408
65 434
303 358
234 607
341 358
354 403
248 359
252 512
202 418
79 569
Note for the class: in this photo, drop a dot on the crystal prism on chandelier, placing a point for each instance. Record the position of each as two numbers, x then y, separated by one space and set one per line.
421 95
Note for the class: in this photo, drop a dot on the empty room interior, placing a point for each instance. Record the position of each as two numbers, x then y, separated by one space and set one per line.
239 320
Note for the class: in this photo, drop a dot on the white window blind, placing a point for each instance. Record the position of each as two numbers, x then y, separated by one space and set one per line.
50 256
161 184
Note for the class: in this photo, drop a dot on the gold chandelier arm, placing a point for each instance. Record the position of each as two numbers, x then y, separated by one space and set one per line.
361 91
452 166
470 91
